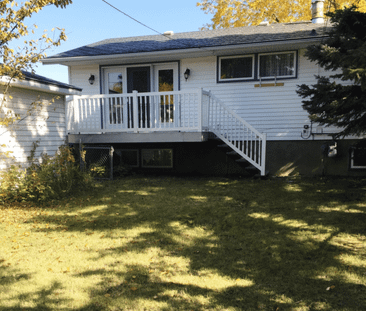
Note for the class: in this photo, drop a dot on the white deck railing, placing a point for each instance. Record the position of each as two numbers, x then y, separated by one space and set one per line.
135 112
185 111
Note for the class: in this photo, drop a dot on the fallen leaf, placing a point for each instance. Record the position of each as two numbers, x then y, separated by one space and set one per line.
134 288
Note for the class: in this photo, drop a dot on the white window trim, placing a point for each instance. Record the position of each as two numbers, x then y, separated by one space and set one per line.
153 166
294 75
352 166
236 79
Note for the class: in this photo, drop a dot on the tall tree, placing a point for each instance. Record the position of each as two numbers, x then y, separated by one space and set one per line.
13 62
340 100
237 13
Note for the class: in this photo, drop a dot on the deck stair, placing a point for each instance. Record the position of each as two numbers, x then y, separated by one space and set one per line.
245 142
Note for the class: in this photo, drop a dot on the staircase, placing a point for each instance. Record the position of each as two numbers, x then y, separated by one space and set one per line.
244 140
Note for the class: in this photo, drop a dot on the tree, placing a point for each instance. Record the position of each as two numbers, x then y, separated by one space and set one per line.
15 61
340 100
237 13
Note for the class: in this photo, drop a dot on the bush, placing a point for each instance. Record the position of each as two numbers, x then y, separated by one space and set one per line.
51 178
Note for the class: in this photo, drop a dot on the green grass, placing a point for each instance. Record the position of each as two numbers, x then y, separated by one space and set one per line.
150 243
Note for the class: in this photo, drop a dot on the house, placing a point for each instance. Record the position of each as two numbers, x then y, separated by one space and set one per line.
40 103
209 102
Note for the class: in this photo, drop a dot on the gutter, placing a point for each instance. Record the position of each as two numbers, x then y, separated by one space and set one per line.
38 86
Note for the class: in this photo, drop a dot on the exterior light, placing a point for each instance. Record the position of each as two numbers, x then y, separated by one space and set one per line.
187 73
91 79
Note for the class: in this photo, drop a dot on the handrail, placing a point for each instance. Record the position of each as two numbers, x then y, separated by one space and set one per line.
238 134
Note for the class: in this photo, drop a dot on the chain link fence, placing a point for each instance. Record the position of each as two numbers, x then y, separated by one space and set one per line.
98 160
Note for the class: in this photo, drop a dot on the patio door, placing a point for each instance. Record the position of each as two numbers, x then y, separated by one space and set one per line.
115 109
166 80
138 79
119 111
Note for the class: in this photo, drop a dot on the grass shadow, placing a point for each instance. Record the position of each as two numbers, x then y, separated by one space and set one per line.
288 244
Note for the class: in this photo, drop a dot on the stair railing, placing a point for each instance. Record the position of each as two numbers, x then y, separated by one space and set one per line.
238 134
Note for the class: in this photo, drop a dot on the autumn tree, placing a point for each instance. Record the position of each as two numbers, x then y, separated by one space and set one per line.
340 100
237 13
14 61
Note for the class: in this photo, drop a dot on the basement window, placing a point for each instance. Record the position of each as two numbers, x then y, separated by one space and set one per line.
277 65
157 158
358 158
236 68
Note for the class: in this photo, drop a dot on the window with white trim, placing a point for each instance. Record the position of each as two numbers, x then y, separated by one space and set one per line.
236 68
157 158
358 158
277 65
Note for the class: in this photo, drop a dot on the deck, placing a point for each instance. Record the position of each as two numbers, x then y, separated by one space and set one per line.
178 116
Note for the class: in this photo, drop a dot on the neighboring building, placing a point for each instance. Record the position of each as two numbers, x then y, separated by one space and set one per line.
45 126
237 84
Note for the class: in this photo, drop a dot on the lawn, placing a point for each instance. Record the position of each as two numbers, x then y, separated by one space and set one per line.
166 243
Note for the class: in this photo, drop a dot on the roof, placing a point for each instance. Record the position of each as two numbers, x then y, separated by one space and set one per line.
228 37
43 80
40 83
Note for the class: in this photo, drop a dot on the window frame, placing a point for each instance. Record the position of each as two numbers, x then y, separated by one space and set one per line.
170 166
256 67
294 76
351 159
252 78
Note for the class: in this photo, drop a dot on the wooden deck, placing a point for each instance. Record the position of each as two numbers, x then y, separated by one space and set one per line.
180 116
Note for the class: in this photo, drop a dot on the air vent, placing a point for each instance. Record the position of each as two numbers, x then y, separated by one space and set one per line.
266 23
169 33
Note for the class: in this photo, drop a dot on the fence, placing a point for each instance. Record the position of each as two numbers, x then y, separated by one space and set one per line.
98 160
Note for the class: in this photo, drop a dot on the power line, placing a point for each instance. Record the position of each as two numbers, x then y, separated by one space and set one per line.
134 19
158 32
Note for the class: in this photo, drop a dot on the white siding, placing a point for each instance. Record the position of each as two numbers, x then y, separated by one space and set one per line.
46 125
276 111
79 76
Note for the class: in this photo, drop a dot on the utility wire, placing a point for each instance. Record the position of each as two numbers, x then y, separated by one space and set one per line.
158 32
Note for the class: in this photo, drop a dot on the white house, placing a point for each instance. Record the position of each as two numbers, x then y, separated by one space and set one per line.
163 101
44 126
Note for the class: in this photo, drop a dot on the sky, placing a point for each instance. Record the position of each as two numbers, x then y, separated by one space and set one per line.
89 21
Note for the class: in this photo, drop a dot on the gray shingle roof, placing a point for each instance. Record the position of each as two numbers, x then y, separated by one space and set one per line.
44 80
200 39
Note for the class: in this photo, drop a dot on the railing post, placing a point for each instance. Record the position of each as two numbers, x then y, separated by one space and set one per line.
69 114
76 114
135 111
200 107
263 158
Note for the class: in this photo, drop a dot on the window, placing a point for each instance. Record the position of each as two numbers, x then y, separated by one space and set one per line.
157 158
115 86
278 65
358 158
166 101
115 83
236 68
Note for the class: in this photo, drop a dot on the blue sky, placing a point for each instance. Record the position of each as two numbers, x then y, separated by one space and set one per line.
88 21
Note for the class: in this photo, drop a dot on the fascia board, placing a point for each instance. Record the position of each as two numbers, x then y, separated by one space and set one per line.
34 85
174 54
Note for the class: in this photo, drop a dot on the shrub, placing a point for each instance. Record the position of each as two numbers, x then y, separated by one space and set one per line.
50 178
